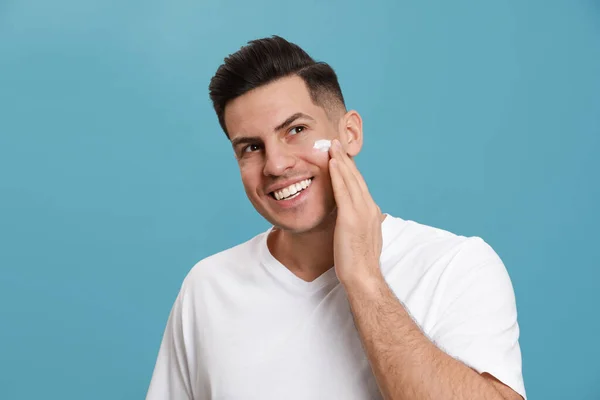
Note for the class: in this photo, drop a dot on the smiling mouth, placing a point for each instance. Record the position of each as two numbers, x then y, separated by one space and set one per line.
291 191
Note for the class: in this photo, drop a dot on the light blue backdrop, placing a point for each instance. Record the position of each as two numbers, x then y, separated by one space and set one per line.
482 118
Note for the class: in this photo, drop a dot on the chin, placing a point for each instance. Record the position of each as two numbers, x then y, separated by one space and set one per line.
301 227
309 221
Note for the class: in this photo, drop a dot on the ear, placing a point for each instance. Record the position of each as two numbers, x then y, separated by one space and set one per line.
351 133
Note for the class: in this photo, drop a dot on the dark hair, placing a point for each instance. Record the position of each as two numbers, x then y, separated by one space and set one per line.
265 60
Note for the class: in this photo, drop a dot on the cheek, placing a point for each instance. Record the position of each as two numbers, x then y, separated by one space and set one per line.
311 146
317 157
251 177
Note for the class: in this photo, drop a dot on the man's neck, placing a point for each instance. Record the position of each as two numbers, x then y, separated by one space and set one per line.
307 255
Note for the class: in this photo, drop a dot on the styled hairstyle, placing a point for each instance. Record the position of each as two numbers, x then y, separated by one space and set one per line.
263 61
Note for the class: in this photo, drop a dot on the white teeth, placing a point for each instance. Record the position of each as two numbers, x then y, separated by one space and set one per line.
292 189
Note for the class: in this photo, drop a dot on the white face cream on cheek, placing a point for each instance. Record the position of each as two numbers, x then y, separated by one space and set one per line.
322 145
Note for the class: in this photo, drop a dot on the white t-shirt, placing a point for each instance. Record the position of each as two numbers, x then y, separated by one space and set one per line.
245 327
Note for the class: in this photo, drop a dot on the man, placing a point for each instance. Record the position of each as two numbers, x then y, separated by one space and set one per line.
337 300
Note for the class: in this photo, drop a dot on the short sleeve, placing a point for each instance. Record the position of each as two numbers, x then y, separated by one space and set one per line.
171 378
477 319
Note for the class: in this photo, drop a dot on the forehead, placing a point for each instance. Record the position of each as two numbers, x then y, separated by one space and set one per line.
265 107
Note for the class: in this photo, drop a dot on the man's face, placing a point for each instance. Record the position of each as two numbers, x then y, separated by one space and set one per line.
272 130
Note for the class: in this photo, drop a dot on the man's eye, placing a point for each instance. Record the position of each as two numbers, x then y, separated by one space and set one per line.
297 129
251 148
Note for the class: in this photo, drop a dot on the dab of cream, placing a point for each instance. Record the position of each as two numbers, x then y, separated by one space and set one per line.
322 145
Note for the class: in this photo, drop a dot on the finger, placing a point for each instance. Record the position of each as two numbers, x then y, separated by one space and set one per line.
351 164
367 198
350 178
340 191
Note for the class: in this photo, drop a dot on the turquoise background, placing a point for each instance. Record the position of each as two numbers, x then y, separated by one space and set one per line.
482 118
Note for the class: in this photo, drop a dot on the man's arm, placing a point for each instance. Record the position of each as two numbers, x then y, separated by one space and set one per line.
406 364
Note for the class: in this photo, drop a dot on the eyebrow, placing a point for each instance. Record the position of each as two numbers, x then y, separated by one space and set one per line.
244 140
291 120
254 139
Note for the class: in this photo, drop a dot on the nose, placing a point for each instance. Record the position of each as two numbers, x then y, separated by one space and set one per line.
278 160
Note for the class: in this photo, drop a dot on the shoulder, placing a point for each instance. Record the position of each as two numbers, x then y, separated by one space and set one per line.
226 263
461 265
426 247
418 238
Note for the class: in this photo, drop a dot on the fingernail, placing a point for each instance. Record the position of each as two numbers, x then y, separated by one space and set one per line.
336 144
